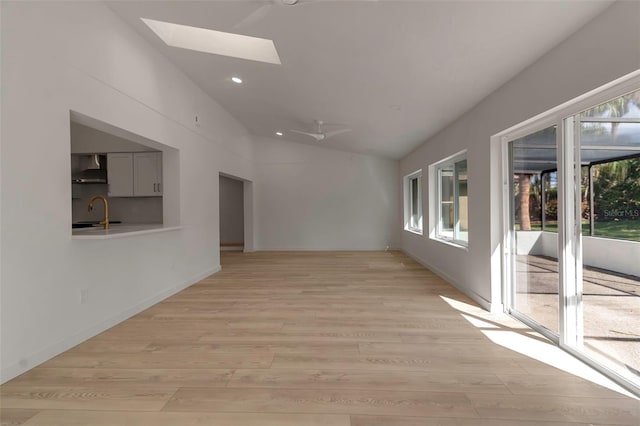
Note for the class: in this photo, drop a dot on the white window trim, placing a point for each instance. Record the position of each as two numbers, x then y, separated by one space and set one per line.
435 210
408 202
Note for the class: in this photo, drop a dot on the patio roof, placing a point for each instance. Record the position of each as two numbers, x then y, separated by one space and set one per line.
536 153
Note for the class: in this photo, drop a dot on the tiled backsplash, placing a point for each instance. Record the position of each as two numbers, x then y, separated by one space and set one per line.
125 209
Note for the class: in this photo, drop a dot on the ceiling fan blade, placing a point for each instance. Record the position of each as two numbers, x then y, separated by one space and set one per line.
303 133
336 132
254 17
316 136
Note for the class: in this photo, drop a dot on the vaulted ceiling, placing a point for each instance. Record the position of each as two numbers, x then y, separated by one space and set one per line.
396 72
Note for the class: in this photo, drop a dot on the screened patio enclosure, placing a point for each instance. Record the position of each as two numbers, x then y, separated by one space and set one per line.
593 302
534 158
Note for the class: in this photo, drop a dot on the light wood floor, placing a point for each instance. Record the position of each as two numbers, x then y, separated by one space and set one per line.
283 339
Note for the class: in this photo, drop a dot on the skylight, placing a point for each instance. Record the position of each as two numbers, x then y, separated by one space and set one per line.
216 42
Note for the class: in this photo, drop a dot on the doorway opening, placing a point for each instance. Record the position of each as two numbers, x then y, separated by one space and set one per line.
236 214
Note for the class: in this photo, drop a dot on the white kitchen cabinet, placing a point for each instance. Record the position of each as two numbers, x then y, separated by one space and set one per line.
134 174
147 174
120 174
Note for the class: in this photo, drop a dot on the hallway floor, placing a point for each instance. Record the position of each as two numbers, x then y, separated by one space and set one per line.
316 338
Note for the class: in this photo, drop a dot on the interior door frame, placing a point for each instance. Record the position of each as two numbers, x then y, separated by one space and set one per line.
248 210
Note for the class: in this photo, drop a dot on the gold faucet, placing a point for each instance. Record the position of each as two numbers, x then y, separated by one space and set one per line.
105 222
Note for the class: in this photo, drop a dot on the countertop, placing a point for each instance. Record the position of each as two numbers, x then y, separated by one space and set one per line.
119 231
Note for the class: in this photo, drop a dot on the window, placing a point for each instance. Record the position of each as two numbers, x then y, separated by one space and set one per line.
449 200
413 202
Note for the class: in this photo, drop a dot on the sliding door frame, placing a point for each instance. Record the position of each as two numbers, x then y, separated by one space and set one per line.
509 291
566 118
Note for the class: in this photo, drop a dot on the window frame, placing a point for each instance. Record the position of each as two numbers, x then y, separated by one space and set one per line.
409 203
436 202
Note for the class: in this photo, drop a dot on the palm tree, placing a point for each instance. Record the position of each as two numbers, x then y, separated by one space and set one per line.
525 179
524 186
615 108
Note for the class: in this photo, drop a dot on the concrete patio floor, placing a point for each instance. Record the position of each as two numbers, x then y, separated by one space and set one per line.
611 306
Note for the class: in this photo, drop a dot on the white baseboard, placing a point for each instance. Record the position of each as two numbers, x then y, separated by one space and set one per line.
484 303
321 249
9 372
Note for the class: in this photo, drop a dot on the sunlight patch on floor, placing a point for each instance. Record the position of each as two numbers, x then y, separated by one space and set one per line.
476 322
552 355
527 342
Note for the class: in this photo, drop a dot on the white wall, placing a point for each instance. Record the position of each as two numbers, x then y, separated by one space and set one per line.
619 256
603 50
615 255
313 198
79 56
530 242
85 140
231 210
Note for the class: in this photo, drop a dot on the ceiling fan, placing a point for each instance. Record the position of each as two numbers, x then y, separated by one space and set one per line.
320 135
262 11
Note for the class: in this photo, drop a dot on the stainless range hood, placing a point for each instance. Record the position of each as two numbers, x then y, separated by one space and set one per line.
89 168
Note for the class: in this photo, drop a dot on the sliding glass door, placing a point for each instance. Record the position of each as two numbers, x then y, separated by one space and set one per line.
609 215
573 233
534 257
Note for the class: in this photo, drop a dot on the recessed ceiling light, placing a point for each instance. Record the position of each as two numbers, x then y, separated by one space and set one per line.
279 133
237 80
216 42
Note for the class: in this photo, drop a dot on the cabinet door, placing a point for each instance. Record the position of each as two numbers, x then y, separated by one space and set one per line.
147 178
120 174
159 173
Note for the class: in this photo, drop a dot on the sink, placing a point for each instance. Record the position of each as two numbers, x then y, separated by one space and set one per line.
90 223
81 225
